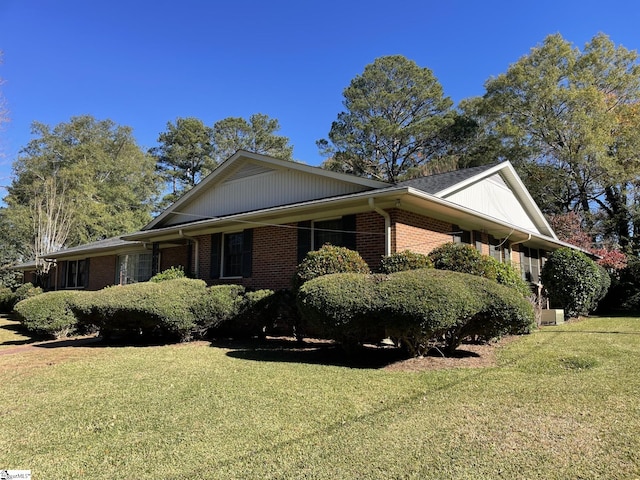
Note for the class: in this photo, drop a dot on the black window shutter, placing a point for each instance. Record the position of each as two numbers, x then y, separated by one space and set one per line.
155 258
87 262
247 252
304 239
349 234
216 252
64 274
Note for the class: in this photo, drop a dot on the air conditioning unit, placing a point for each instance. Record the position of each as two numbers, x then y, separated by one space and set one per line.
552 316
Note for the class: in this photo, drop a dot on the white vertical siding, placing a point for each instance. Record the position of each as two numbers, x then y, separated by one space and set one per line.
260 189
492 197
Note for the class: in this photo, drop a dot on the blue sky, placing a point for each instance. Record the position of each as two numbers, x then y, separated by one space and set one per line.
143 63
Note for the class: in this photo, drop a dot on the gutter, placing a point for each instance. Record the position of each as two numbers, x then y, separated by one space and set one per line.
387 225
522 241
196 256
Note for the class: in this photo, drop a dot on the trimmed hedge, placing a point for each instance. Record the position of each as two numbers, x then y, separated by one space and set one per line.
462 258
50 313
164 309
327 260
572 281
168 274
403 261
7 300
418 308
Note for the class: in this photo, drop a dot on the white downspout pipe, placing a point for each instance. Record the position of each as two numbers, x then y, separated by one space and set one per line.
196 256
387 226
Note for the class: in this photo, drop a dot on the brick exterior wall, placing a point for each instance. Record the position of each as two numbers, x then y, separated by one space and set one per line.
275 250
420 234
102 272
370 239
175 257
275 257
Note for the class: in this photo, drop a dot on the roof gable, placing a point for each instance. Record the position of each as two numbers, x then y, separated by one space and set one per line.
499 192
433 184
249 181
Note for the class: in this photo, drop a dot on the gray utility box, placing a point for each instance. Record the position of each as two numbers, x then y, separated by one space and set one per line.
552 316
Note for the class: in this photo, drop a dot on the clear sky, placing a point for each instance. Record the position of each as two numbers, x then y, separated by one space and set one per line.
143 63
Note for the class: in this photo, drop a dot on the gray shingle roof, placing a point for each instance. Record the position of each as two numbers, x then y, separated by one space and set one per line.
106 244
433 184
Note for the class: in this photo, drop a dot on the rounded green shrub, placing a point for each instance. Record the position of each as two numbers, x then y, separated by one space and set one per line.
604 282
255 315
340 306
27 290
168 274
418 308
406 260
329 259
149 309
572 281
509 276
7 300
219 304
462 258
50 313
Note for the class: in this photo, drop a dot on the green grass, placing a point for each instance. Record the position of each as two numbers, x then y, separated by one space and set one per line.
562 403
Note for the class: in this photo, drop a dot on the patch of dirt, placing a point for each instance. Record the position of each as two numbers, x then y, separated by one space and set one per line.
468 355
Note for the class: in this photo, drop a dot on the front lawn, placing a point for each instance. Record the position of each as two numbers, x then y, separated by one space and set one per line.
563 402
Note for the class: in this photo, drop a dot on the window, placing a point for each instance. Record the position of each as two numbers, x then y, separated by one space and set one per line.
232 261
133 268
461 236
327 231
499 249
477 240
340 232
232 254
76 274
530 264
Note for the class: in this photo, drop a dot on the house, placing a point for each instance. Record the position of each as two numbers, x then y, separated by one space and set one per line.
254 219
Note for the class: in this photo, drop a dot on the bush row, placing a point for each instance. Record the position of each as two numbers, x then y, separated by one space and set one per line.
9 298
419 308
178 309
456 257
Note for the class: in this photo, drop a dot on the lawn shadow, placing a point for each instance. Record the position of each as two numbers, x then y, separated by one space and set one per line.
319 352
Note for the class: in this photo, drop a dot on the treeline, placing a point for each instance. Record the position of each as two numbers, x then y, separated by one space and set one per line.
567 118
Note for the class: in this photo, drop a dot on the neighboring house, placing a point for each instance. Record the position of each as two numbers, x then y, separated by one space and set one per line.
254 219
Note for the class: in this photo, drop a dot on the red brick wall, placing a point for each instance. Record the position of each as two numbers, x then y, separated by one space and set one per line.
204 252
370 239
275 256
174 257
102 272
275 252
410 231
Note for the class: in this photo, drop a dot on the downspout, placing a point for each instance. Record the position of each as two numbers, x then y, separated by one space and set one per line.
196 257
387 226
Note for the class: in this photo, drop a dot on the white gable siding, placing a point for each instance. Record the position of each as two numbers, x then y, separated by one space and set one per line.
493 197
259 188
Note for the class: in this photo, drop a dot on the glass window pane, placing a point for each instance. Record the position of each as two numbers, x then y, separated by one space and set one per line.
327 231
233 254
